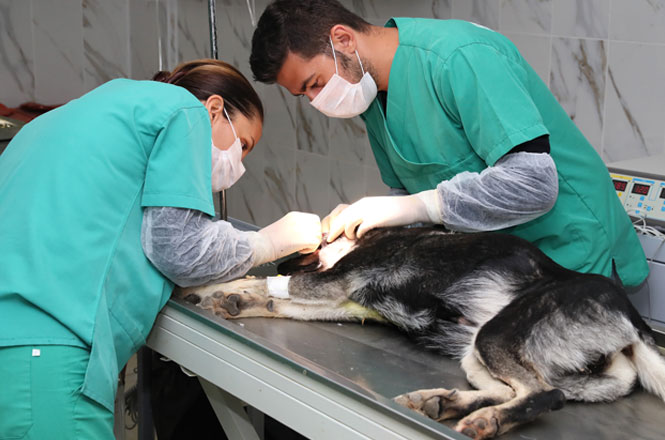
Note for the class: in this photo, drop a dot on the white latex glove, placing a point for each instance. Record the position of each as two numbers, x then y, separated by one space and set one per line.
325 223
373 212
295 232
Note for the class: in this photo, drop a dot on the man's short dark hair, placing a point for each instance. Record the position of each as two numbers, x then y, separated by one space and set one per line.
298 26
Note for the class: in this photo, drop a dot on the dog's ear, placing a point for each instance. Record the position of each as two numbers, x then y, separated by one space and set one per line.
300 264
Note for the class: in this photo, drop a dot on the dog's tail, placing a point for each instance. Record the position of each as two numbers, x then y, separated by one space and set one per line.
650 367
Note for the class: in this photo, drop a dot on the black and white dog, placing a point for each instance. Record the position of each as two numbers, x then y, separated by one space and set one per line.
530 334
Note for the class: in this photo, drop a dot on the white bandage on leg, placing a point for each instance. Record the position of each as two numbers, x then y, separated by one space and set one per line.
278 286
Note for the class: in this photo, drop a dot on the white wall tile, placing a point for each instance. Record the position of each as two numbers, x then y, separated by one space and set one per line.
58 42
267 189
312 183
347 183
578 82
348 140
311 128
279 128
374 186
144 32
17 78
193 30
483 12
52 51
641 20
526 16
105 41
378 11
587 18
634 100
536 51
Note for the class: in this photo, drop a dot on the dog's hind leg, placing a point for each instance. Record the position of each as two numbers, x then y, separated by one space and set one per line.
442 404
617 379
532 396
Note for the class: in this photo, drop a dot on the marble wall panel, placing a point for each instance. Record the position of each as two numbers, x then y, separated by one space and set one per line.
634 101
58 50
526 16
483 12
603 60
577 80
347 181
267 189
17 77
384 9
147 23
638 20
234 31
348 141
311 128
574 18
536 51
279 127
312 183
193 30
374 186
106 49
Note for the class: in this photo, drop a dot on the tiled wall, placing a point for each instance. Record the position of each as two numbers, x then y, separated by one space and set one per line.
603 59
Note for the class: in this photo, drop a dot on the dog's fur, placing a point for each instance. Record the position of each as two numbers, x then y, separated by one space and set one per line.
530 334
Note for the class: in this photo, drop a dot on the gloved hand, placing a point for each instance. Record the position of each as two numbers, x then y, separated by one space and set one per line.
325 223
374 212
295 232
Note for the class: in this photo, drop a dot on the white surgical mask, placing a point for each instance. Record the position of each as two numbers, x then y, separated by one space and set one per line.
227 165
341 99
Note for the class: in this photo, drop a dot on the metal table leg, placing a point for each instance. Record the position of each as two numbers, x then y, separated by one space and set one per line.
230 411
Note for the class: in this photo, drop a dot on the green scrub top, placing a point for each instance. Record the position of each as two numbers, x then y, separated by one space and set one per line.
460 96
73 185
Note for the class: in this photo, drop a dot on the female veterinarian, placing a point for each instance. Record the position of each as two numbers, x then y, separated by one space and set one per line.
105 203
460 122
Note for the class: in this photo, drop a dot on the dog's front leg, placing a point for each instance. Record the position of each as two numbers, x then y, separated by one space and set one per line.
278 297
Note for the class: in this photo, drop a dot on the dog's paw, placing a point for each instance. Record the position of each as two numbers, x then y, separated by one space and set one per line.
230 305
437 404
480 424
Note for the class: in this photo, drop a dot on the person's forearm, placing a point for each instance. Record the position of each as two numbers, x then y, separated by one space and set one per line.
519 188
190 249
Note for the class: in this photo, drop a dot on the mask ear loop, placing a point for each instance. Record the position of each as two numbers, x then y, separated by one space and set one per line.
361 64
334 56
229 119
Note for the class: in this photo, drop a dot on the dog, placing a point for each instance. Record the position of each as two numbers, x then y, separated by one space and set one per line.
530 334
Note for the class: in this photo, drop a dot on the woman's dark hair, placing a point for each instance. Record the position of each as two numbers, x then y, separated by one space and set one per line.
298 26
206 77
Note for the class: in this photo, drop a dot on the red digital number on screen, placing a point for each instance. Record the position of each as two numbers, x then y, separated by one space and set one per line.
620 185
640 189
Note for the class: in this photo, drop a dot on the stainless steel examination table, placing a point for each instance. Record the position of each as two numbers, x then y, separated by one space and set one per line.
336 381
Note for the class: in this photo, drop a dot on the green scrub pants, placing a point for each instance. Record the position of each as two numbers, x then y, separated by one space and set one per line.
40 395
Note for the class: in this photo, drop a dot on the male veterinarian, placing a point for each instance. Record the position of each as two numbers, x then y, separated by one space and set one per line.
457 120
